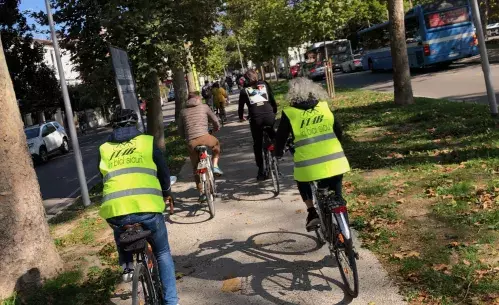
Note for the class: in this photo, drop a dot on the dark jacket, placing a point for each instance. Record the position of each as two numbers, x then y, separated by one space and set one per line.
285 129
255 111
125 134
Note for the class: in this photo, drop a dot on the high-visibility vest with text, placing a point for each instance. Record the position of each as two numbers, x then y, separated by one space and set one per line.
130 180
318 153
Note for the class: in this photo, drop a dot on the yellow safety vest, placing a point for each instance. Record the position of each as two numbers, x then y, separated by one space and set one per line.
129 176
318 153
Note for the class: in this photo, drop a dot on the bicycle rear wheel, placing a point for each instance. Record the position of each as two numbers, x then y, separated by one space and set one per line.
274 172
346 258
142 287
210 196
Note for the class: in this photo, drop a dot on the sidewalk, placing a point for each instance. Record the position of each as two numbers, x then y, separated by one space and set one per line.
256 249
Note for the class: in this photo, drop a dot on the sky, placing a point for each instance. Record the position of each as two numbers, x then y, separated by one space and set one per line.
34 5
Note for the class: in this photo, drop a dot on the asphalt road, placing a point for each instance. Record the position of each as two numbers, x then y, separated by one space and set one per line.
462 82
58 178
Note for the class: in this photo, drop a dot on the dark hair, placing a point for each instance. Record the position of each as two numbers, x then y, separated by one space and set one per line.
206 82
251 76
216 85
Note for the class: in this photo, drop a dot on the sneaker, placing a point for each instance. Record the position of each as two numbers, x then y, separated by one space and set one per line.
217 171
127 275
312 220
202 198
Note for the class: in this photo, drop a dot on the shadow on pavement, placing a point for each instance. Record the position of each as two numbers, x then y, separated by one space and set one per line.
270 277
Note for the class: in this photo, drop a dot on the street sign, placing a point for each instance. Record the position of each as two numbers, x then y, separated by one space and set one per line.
125 82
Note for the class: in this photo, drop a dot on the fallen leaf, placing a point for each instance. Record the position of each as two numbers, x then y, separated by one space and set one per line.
299 211
398 255
400 201
466 262
440 267
454 244
413 254
232 285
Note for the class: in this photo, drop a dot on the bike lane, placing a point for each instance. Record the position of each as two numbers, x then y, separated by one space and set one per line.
256 249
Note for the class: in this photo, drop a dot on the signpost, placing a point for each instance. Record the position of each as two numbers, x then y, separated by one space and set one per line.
69 111
125 82
484 58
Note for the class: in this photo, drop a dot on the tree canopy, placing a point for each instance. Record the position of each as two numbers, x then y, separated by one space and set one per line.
35 84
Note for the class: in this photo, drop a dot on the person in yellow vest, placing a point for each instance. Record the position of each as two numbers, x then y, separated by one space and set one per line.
136 185
316 135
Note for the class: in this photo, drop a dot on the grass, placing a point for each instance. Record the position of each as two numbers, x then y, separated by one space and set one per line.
87 248
424 192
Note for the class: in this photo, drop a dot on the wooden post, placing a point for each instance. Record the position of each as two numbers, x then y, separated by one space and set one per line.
333 91
263 73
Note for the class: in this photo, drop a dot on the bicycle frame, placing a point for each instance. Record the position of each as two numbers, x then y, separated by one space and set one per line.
204 166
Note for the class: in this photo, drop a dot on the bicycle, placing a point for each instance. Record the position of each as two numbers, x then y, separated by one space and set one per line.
334 229
271 167
222 117
146 284
205 172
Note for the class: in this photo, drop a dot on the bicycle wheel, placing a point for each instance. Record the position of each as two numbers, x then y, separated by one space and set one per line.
142 286
274 172
346 258
210 198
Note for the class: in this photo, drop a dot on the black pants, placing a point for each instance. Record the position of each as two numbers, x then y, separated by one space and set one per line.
257 125
333 183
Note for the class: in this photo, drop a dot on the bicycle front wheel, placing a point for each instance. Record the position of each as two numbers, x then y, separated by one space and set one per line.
142 287
346 258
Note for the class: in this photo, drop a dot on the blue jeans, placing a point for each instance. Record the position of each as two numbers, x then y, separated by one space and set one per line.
160 247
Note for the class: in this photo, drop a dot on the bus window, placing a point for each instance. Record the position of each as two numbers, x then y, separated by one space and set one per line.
448 17
412 32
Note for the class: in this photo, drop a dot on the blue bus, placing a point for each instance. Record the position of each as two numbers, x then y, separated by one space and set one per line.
436 34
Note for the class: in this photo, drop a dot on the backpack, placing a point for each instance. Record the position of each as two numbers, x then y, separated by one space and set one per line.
206 92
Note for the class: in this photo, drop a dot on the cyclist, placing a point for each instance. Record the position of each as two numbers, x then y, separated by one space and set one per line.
136 186
207 95
316 135
258 97
193 127
230 83
220 99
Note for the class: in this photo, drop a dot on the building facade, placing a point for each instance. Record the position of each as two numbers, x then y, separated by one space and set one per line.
72 77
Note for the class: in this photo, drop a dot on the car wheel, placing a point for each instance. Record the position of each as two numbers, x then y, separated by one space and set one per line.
65 146
43 156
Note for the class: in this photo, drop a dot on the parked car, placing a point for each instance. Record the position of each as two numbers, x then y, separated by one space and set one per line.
355 64
493 29
46 139
318 72
171 95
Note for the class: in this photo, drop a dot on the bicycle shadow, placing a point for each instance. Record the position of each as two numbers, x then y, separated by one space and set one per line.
261 268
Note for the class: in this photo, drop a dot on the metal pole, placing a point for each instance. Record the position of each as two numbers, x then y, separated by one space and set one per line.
69 112
240 56
484 58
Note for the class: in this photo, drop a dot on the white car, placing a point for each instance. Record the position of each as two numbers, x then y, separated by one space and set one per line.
493 29
355 64
46 139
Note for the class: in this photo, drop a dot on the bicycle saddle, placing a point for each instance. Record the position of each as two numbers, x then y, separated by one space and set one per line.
201 148
134 238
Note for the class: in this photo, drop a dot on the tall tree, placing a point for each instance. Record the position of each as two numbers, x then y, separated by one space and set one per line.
35 84
401 73
28 252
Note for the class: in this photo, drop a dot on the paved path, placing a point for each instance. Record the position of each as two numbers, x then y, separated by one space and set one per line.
58 179
461 82
258 241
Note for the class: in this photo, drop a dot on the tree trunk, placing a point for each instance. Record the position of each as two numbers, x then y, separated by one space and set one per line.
28 252
191 80
401 74
180 89
484 11
155 126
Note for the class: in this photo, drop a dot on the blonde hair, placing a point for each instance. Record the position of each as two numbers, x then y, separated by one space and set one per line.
302 89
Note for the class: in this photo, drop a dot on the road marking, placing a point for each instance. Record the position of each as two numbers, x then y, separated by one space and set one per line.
67 201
